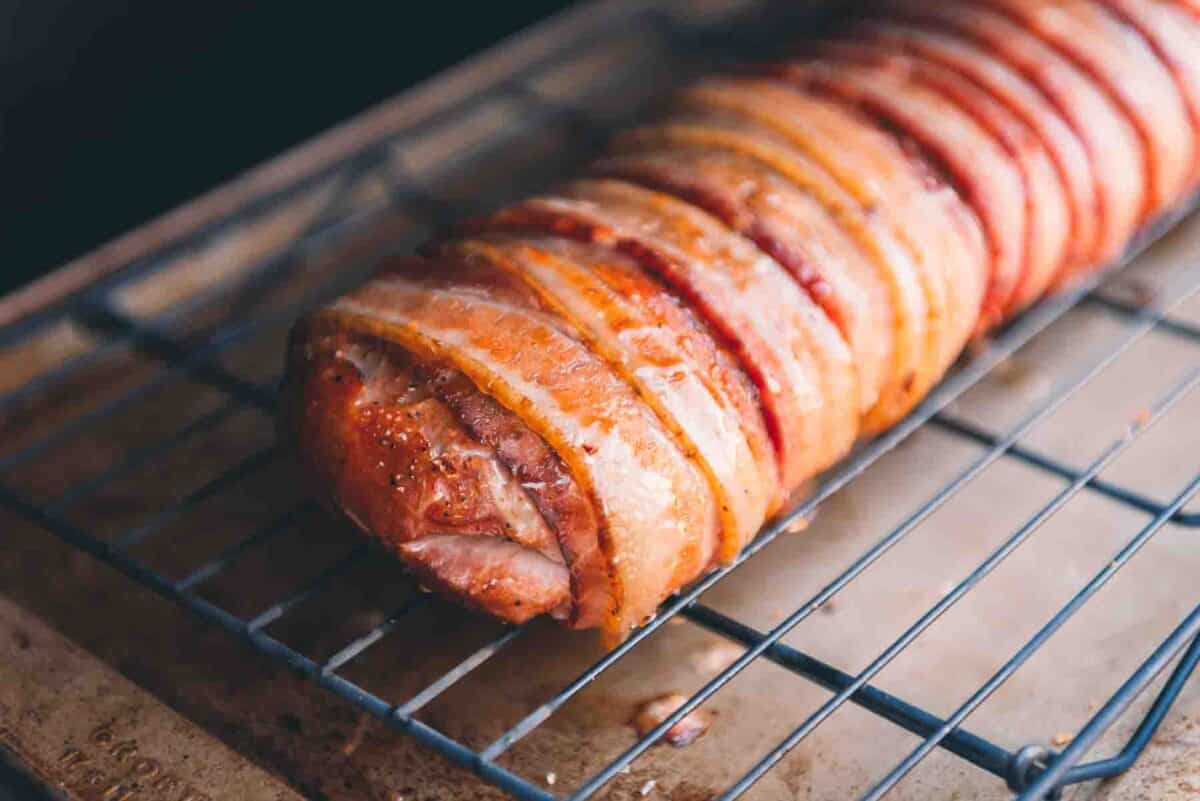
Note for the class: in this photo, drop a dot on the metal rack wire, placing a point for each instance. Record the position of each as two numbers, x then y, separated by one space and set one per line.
1032 772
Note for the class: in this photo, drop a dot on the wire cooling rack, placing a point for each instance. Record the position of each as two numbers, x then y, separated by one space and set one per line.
183 315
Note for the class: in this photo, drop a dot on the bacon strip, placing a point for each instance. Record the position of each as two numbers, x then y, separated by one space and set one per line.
989 180
1175 37
494 576
548 482
793 228
1045 202
1005 87
658 522
647 356
913 231
795 356
1115 152
1110 52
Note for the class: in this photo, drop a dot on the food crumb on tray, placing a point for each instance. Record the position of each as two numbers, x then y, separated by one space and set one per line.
686 730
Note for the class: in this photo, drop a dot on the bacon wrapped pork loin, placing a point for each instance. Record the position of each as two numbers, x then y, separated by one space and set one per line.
580 403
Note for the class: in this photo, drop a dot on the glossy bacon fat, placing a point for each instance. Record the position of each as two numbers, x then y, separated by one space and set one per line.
580 403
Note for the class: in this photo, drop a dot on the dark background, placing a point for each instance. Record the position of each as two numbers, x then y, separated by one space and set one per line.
114 111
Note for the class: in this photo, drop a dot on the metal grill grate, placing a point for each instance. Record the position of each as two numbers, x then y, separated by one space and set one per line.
387 196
